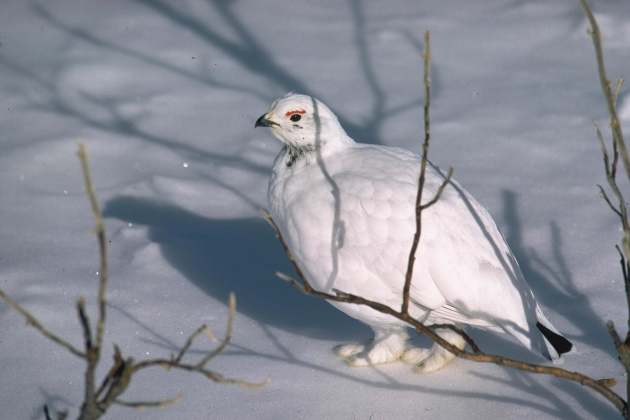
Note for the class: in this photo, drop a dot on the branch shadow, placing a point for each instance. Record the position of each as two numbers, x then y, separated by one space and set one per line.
525 384
552 281
55 403
249 53
240 255
243 46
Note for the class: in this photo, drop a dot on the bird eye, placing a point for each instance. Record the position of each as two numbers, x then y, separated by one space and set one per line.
295 117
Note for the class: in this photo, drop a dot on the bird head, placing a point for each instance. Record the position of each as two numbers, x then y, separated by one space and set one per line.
303 122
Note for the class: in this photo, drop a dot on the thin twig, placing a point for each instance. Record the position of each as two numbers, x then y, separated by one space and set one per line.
228 332
90 407
438 193
102 246
296 267
602 145
619 148
476 355
613 334
286 278
200 366
475 348
97 401
426 56
34 322
85 323
607 200
606 89
601 386
609 382
213 376
598 385
113 372
610 170
148 404
189 342
625 271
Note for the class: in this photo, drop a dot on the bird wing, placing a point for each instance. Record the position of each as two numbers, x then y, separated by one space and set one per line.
473 267
378 193
464 271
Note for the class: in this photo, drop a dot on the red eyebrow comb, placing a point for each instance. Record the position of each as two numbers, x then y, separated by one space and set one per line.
295 111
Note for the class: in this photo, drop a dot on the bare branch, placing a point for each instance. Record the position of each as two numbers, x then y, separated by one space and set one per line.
118 381
602 144
613 334
290 280
426 56
438 193
601 386
606 89
476 355
90 407
619 148
475 348
610 170
113 372
213 376
102 246
189 342
607 200
228 332
140 405
34 322
625 271
175 363
85 324
608 382
115 383
306 286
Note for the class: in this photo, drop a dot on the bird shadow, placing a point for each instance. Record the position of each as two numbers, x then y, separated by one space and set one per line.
241 255
235 255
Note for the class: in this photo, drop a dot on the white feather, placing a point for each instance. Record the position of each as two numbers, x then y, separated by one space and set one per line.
347 213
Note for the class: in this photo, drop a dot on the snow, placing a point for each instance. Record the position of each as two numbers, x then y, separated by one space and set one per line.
165 96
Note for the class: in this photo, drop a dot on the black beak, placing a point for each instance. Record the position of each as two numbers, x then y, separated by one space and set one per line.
264 122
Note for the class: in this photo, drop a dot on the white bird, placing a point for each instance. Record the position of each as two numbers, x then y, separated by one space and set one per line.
347 213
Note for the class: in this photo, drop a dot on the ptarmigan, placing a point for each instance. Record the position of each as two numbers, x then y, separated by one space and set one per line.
346 211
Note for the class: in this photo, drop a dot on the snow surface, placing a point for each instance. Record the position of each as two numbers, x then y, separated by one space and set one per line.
165 95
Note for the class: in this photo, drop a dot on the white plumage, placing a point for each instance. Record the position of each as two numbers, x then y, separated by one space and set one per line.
347 213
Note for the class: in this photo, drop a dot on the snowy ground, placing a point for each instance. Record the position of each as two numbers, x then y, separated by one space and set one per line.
165 95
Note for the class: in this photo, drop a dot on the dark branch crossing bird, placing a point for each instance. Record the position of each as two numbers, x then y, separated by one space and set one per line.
347 213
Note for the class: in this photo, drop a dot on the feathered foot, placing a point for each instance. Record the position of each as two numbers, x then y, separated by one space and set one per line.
387 346
435 358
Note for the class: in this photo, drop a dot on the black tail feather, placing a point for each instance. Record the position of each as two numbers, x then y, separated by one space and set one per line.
561 344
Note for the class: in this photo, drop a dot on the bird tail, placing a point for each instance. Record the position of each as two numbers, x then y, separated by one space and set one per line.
556 344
